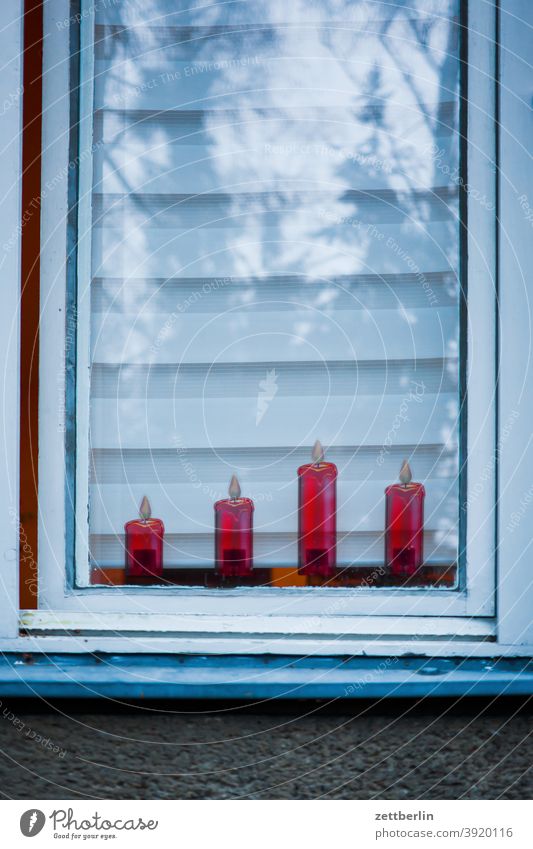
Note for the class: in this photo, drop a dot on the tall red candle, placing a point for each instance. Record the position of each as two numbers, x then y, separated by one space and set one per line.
234 533
404 525
144 544
317 515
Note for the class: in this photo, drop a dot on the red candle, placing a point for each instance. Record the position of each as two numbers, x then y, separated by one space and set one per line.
234 533
404 525
144 544
317 515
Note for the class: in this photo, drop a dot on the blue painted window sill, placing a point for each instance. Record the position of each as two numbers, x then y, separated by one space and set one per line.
258 677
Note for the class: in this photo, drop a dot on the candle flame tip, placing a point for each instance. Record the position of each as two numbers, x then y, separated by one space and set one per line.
406 476
318 452
145 510
234 488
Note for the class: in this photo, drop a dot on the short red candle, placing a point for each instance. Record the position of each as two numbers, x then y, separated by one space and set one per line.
404 525
234 533
144 544
317 516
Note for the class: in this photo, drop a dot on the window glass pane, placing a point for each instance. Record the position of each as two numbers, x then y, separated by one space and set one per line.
275 245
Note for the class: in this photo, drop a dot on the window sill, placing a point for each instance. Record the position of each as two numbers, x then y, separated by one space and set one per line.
251 678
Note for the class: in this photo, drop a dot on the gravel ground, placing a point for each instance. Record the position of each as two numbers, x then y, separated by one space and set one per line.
391 750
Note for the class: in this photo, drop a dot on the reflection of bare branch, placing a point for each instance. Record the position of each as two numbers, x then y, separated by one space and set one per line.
408 78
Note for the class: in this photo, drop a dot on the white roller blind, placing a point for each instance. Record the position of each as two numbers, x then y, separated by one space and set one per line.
275 244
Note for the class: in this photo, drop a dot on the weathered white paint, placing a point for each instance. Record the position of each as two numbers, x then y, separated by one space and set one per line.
306 646
10 217
383 627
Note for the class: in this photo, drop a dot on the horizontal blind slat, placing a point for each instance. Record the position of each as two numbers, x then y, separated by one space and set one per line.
205 79
357 209
186 508
274 464
195 380
298 126
235 12
163 35
195 166
252 334
424 289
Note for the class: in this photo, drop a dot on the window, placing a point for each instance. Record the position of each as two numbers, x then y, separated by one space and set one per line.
266 245
269 254
484 613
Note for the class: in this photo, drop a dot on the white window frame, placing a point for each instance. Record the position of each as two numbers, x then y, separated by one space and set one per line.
476 598
291 620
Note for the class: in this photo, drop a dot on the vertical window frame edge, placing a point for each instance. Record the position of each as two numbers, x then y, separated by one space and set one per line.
479 255
71 304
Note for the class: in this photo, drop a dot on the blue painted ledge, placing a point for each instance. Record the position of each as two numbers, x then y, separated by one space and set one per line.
257 677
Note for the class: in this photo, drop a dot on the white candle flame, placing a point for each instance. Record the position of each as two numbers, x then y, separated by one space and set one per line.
317 453
234 488
145 510
406 475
